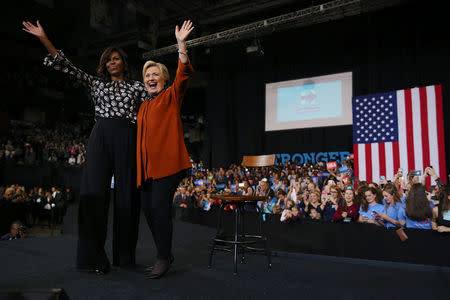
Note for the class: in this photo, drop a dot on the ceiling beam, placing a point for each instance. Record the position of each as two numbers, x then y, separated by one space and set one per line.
332 10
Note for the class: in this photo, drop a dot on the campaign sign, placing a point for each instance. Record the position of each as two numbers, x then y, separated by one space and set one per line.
345 180
198 182
220 186
331 165
343 169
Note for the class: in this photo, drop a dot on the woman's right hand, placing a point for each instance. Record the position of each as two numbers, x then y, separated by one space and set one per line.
37 31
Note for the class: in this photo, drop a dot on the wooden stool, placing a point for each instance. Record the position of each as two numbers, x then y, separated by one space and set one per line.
239 240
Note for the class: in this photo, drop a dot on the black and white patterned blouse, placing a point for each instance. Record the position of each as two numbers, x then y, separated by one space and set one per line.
112 99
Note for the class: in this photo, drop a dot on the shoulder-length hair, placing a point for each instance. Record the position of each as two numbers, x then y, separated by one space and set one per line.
391 189
102 71
344 203
444 202
364 203
417 204
338 190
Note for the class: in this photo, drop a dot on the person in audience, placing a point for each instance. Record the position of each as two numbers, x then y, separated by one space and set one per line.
313 202
361 192
331 203
417 213
441 212
370 207
162 157
264 189
18 231
197 197
288 211
392 206
314 214
296 213
281 199
348 210
248 189
116 99
267 206
182 200
277 210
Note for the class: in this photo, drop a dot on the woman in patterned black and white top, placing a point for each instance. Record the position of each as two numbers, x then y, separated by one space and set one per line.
112 150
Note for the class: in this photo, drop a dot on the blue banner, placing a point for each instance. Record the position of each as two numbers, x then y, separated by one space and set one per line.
220 186
311 157
199 182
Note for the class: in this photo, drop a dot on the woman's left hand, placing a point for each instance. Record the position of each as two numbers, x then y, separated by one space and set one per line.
182 33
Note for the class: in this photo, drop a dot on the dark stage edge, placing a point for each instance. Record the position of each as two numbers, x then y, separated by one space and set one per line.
48 262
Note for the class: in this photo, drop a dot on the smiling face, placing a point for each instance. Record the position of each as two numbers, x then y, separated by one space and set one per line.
388 197
114 64
370 197
314 198
154 80
334 193
348 196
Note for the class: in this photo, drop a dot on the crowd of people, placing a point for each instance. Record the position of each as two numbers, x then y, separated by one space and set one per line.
36 205
63 143
310 191
32 143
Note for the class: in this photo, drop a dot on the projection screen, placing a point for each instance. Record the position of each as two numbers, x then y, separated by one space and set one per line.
309 102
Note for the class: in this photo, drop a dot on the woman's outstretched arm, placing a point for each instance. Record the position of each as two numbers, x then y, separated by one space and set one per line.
38 31
181 34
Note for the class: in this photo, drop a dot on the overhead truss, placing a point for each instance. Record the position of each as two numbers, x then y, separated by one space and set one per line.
332 10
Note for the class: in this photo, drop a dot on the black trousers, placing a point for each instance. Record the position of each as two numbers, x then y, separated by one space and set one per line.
111 150
157 201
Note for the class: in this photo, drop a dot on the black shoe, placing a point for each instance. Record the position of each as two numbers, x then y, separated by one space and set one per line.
149 269
159 269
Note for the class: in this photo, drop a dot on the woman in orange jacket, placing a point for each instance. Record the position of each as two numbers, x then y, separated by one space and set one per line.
162 157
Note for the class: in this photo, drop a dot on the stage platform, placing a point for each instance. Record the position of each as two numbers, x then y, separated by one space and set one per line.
48 262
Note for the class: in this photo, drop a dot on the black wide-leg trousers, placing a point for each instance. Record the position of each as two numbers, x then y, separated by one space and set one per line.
111 151
157 202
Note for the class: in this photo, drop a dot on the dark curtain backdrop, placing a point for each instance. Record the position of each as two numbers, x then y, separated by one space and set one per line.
387 50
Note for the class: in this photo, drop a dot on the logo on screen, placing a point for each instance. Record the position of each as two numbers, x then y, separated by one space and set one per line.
308 101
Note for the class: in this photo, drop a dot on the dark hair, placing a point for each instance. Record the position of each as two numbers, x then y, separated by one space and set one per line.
417 205
102 71
281 192
18 222
364 203
361 193
391 189
444 202
344 203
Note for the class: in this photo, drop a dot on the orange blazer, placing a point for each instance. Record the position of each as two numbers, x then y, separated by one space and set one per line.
160 141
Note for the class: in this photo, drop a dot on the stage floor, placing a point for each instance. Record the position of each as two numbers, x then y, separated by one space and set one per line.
48 262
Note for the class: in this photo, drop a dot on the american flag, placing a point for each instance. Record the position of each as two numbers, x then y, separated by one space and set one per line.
401 129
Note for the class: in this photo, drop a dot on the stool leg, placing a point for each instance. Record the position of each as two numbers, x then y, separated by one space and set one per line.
211 254
266 243
268 255
220 219
218 232
243 234
236 231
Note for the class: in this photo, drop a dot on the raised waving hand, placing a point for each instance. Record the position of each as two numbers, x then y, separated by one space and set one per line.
38 31
181 35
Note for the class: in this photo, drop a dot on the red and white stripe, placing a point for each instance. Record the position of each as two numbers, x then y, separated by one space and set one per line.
420 143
